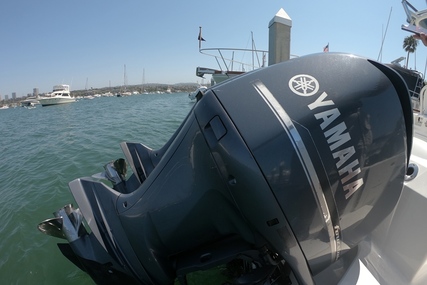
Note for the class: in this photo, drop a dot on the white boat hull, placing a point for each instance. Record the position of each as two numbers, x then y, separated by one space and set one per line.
56 101
60 95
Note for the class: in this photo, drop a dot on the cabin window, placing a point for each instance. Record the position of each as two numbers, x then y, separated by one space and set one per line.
423 23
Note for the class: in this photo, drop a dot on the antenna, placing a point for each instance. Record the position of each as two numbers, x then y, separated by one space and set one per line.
383 39
125 79
425 66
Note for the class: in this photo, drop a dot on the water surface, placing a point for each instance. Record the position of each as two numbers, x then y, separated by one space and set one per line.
42 149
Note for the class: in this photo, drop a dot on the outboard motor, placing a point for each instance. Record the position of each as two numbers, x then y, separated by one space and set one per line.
283 170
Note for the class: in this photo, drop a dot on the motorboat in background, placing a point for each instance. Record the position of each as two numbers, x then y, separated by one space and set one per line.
228 66
193 95
30 102
60 95
218 75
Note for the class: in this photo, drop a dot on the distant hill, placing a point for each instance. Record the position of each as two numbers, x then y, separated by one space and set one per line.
148 87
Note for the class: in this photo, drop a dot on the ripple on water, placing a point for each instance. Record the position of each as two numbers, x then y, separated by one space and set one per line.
43 149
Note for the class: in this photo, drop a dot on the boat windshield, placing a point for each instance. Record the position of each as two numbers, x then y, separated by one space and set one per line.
415 17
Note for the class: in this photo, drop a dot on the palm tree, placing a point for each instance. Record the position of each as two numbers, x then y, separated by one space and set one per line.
409 45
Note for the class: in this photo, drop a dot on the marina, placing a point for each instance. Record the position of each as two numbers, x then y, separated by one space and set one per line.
273 174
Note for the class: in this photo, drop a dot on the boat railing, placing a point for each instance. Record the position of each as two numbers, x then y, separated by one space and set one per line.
61 87
415 93
235 59
226 58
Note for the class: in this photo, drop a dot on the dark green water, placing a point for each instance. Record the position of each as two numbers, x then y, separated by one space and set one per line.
42 149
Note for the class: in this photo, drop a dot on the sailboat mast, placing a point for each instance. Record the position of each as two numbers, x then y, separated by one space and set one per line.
124 78
253 61
380 55
143 79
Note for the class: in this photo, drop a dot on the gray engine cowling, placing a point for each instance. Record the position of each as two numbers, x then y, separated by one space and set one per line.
291 164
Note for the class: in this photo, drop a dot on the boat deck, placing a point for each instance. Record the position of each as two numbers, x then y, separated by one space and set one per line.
396 252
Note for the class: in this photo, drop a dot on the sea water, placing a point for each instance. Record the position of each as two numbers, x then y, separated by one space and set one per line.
44 148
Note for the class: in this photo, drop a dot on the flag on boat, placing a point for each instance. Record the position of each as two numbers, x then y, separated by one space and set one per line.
326 48
200 38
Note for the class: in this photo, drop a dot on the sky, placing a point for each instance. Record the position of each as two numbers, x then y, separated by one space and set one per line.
86 43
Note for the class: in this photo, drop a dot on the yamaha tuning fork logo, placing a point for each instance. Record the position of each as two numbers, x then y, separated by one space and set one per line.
332 124
304 85
334 129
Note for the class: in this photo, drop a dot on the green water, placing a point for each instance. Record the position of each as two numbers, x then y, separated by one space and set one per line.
42 149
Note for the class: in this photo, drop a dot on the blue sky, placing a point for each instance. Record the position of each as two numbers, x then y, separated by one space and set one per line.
47 42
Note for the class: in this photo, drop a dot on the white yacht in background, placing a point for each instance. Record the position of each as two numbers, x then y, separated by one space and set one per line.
60 95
